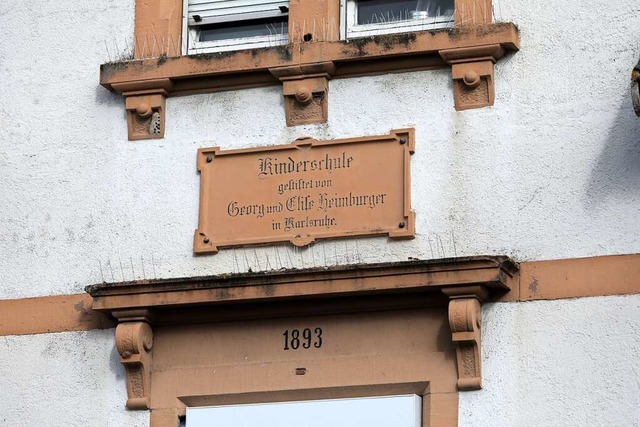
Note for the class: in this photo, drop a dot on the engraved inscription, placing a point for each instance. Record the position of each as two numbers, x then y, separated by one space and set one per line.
306 338
268 166
303 200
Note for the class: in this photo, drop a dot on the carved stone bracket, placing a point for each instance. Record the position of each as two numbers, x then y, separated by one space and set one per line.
472 70
134 341
145 103
306 92
465 315
464 320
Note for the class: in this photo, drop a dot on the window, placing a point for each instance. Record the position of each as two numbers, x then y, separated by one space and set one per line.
390 411
363 18
223 25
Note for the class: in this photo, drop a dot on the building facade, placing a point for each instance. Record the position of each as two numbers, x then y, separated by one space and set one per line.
526 164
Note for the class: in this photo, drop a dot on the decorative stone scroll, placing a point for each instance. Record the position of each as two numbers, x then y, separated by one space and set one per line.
134 341
464 320
305 191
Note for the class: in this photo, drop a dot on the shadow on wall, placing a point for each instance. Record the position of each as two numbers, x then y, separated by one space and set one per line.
116 368
616 172
108 98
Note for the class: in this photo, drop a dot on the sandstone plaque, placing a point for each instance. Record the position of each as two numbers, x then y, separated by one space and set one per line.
305 191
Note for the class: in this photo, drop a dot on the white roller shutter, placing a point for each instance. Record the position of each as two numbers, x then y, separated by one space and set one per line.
202 12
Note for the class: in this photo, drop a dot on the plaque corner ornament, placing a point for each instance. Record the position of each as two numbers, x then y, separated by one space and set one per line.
406 229
305 141
206 156
202 243
302 241
406 136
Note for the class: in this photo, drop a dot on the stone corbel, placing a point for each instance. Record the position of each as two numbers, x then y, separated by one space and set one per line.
465 316
145 103
134 340
472 70
306 92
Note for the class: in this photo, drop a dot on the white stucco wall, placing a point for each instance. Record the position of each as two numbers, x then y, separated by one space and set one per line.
558 363
551 171
70 379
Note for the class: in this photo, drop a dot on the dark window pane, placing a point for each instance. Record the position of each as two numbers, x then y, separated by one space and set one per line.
379 11
243 29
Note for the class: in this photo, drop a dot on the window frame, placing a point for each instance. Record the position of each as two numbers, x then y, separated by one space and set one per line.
349 29
192 46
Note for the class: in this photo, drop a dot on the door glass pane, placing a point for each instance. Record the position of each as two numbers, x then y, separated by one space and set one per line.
388 411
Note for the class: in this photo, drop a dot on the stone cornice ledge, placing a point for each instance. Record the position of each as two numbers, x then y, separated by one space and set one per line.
212 72
437 280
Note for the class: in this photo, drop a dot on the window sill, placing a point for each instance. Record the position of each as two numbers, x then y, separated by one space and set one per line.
471 51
